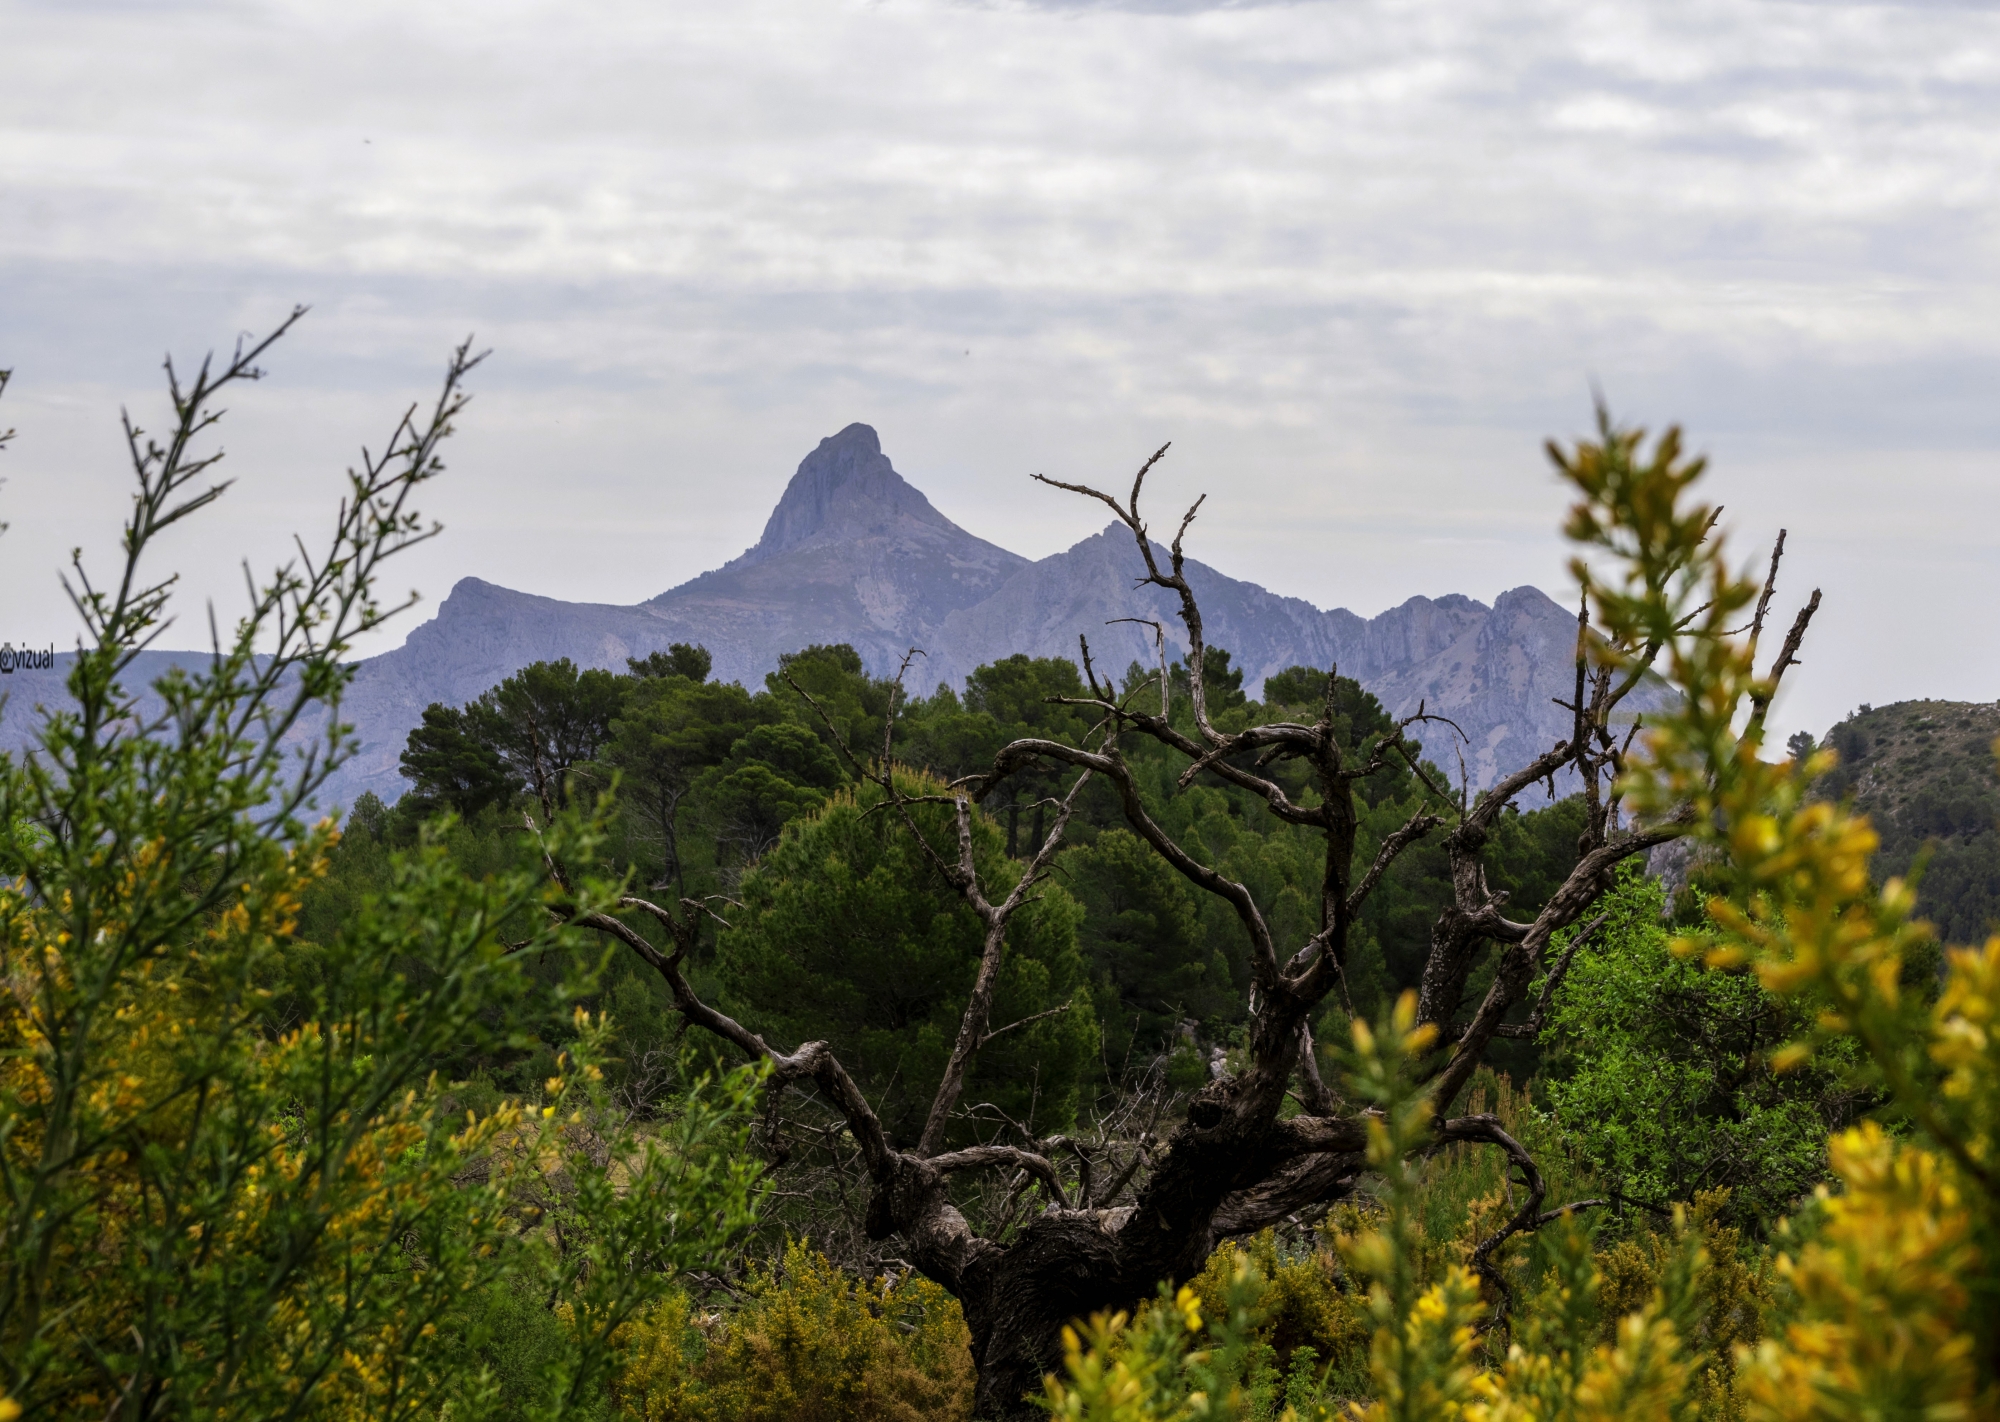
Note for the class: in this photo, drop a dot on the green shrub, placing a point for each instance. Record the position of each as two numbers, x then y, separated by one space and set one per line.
1664 1084
500 1346
1309 1326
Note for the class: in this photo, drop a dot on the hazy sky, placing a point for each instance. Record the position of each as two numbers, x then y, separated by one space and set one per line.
1355 258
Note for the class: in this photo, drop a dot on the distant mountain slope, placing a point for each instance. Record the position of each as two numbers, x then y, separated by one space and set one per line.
1498 681
1924 772
853 553
1044 607
24 695
1494 671
481 635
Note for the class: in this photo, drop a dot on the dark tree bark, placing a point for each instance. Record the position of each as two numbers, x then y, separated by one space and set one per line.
1231 1166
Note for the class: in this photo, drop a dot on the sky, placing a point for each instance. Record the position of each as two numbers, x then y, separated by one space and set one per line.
1356 259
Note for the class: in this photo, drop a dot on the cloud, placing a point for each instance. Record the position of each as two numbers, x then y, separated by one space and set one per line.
1356 257
1145 7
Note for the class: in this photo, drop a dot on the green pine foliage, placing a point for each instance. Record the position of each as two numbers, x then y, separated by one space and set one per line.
672 727
1014 699
847 933
545 721
1150 951
708 776
451 766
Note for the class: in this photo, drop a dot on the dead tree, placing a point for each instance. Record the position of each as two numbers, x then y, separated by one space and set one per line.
1231 1166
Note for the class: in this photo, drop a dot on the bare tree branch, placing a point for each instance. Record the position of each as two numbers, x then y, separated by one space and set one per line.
1159 648
1764 599
972 1033
1528 1217
988 1157
1532 1028
1760 701
1414 829
1025 1021
1307 1184
1578 891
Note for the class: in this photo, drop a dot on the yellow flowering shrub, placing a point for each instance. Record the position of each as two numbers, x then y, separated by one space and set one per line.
1881 1327
810 1345
1732 1293
211 1210
1186 1360
1307 1310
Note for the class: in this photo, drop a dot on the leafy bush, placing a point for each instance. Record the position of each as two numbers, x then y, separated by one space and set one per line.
1126 1370
1307 1312
1730 1295
1663 1082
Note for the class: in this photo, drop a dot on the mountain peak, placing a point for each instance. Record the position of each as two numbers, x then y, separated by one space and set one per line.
856 436
844 487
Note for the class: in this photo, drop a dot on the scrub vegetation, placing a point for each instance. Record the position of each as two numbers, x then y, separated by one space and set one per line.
1116 1046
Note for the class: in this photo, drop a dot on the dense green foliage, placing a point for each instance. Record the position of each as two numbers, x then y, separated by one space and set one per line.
847 933
1662 1077
709 776
809 1344
528 732
1144 930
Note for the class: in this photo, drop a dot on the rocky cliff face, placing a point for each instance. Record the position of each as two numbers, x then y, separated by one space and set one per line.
1496 673
1493 671
1046 606
853 553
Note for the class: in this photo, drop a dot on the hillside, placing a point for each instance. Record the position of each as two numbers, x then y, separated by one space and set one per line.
1924 772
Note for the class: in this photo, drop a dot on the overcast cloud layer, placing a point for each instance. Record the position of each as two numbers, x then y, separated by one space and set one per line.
1355 258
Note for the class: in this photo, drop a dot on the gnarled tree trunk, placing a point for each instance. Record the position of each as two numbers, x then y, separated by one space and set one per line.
1232 1166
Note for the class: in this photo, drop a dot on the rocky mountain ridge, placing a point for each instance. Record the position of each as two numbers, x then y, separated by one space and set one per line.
854 553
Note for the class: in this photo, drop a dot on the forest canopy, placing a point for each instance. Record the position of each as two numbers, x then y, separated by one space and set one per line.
711 777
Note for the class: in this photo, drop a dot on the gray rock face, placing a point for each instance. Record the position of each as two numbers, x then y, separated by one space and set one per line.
1492 671
853 553
1497 677
1045 607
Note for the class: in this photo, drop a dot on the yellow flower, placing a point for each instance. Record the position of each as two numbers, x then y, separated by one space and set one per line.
1189 1303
